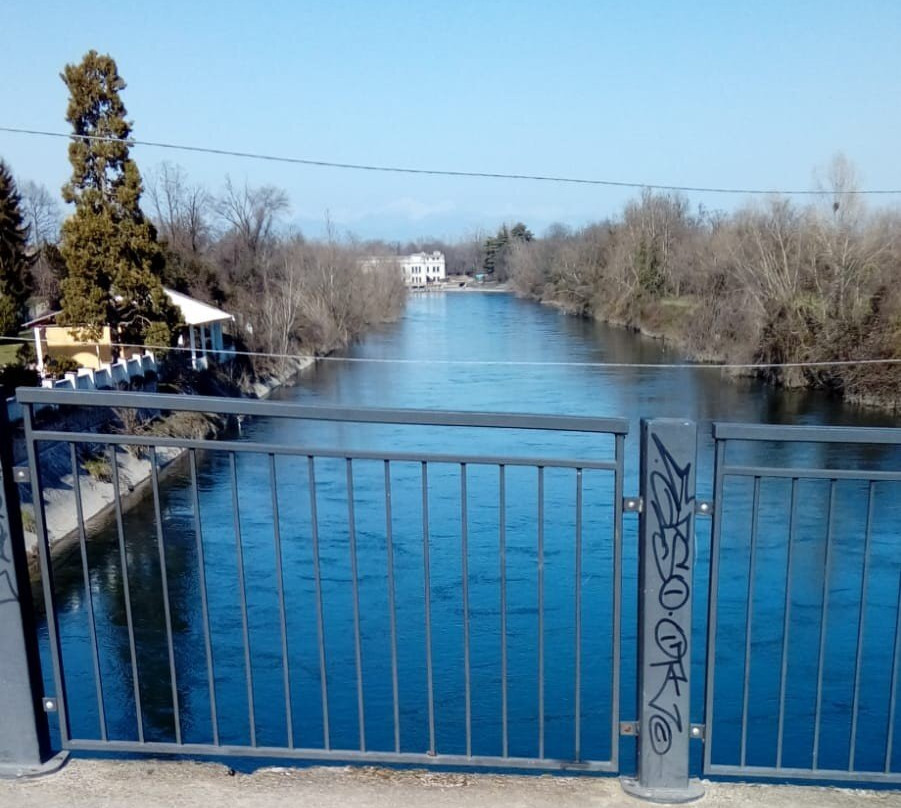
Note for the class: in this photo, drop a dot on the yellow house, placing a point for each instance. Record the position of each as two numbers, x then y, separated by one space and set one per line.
202 322
60 342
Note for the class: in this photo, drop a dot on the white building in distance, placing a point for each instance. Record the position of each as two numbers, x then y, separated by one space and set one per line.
419 269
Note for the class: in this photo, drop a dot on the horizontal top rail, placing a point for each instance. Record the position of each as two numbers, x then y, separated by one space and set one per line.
275 409
247 447
806 434
809 473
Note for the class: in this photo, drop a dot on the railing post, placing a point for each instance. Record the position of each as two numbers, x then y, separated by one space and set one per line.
24 735
665 560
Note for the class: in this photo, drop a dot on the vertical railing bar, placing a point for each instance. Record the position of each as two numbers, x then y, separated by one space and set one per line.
861 624
88 594
620 443
426 574
245 630
355 583
749 616
464 551
541 612
893 691
204 604
320 623
577 696
47 584
164 582
126 591
392 608
823 624
282 612
786 621
502 555
713 595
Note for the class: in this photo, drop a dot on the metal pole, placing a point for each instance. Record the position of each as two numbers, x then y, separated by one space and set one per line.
665 560
24 733
193 347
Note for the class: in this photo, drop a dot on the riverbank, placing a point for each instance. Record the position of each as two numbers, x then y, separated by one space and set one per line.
482 288
671 322
97 491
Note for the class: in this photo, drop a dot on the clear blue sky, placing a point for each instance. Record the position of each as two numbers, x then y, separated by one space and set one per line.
693 93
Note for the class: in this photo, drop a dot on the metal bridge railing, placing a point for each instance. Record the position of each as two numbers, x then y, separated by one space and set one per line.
318 475
350 590
804 603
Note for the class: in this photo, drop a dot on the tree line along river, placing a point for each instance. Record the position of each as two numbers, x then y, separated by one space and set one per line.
435 330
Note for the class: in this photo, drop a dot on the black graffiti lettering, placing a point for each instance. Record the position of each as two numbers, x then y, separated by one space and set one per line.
674 593
672 505
661 734
670 638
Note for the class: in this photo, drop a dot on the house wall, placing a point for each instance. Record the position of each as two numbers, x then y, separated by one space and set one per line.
421 269
418 269
59 342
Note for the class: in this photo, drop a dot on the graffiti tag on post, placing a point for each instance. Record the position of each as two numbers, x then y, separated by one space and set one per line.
672 504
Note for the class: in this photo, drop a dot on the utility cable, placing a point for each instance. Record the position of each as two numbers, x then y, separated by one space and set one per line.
502 362
450 173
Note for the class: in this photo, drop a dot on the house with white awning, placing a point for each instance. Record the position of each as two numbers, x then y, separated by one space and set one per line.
203 323
203 327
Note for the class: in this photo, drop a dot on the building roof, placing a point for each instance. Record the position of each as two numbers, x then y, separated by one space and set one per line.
44 319
195 312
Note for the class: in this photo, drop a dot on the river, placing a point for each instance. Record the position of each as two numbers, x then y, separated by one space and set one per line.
493 329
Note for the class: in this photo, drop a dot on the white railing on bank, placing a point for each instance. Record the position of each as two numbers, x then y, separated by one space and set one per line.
109 376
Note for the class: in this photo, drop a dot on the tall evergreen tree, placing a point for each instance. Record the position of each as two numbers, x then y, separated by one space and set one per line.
113 260
15 277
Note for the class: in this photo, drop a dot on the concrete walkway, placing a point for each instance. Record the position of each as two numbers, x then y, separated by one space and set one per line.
149 784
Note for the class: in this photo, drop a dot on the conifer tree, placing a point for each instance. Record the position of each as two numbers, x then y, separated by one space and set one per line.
15 278
113 260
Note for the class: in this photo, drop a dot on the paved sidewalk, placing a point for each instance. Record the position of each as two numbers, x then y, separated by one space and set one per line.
149 784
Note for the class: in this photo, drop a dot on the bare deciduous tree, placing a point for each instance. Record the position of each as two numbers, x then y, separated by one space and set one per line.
772 282
41 213
181 210
42 217
251 216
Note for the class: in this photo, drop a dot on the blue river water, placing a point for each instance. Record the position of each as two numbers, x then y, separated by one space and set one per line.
435 330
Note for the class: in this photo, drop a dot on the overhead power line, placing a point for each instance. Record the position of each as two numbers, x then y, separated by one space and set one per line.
378 360
539 363
494 175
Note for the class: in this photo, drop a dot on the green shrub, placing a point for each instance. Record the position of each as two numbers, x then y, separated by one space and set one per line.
57 367
158 334
13 376
26 355
99 468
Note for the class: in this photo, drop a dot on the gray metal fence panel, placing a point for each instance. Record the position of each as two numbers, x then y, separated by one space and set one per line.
111 443
737 447
763 559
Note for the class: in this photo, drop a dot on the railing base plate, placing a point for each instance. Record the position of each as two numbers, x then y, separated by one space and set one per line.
13 771
693 791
